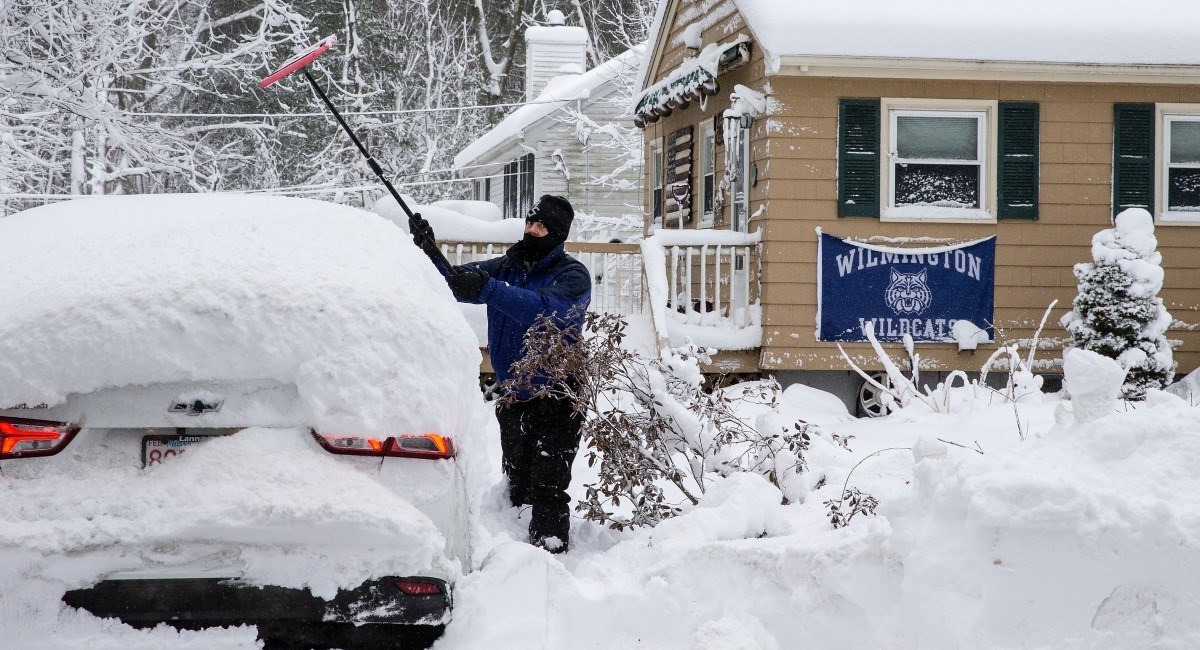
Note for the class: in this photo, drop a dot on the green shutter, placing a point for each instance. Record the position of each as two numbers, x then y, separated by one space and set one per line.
858 158
1133 157
1017 173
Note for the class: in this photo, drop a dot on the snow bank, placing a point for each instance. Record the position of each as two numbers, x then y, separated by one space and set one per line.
814 405
1188 388
1077 536
1083 538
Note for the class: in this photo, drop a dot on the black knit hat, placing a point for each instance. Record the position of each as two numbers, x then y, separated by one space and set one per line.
555 213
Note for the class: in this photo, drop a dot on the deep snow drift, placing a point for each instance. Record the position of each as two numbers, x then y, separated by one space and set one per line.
1083 535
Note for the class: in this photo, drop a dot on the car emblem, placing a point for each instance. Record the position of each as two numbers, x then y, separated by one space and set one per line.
197 407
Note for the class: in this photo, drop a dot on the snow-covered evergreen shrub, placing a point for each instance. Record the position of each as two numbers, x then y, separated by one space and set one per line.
1118 312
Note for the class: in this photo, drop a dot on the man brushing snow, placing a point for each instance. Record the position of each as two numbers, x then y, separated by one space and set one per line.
538 436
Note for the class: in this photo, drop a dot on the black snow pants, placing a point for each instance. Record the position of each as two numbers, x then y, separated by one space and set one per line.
539 439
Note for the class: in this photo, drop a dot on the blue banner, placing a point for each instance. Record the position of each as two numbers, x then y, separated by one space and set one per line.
920 292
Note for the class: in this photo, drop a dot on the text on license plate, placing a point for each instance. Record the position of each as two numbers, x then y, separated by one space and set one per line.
158 448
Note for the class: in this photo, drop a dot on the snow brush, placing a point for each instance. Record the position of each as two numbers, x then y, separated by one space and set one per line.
300 63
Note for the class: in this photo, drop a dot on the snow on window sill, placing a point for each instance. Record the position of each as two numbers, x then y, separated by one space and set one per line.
939 214
1178 219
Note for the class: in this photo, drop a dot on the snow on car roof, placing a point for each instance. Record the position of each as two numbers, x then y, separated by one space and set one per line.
134 290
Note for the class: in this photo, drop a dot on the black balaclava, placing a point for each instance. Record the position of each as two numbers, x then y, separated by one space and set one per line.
556 214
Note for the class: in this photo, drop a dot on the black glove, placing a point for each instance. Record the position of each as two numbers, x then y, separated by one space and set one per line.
422 234
466 282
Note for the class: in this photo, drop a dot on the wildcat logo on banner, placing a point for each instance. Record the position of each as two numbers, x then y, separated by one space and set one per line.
920 292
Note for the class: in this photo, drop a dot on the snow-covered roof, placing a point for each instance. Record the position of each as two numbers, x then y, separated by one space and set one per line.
694 79
118 291
564 87
450 224
1152 32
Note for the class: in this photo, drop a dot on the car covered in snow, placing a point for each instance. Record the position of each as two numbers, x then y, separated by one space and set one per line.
233 410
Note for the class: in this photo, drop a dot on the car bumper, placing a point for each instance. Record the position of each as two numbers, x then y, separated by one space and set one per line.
376 606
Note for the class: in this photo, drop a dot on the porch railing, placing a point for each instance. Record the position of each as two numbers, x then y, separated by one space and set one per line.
696 278
618 280
708 279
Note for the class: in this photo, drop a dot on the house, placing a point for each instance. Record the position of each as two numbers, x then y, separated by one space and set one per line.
574 137
932 167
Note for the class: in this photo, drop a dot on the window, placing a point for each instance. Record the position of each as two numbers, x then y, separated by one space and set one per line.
656 181
938 159
1180 171
527 181
518 187
937 164
510 191
707 170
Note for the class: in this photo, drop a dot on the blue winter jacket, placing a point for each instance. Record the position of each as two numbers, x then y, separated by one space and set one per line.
515 297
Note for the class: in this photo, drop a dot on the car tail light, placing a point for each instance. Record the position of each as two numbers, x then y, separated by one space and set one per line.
418 587
21 438
428 445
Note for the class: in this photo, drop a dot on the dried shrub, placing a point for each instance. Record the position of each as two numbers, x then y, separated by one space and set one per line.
659 437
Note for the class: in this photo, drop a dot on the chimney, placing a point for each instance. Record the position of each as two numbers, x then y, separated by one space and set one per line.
553 50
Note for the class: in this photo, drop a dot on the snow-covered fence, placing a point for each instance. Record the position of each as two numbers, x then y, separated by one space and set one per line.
618 283
707 278
708 283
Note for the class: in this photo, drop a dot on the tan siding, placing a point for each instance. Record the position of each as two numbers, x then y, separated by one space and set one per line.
795 150
1034 259
750 75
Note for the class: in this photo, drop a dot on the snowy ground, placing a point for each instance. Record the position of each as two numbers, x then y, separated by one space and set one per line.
1078 536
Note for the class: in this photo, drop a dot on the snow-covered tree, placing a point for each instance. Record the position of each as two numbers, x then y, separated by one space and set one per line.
1118 312
78 77
135 96
613 27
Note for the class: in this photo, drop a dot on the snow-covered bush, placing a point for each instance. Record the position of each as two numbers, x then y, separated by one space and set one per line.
945 397
1118 312
659 436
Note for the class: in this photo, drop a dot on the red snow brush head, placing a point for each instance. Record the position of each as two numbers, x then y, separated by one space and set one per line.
300 60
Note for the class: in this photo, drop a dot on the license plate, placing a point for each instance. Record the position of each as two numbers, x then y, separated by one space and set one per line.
159 448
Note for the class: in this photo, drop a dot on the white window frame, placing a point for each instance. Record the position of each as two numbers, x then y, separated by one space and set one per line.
985 111
1167 113
708 170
